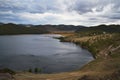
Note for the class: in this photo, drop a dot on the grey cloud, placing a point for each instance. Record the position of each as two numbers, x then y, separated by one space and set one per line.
85 6
81 7
23 6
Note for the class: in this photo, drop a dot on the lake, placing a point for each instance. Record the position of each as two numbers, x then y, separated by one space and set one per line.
22 52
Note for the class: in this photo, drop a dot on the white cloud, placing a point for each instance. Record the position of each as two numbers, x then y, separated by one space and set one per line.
54 18
76 12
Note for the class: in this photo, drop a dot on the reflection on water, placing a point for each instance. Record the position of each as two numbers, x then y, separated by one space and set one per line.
21 52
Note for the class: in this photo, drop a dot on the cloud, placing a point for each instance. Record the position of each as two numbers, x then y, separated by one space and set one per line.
54 18
76 12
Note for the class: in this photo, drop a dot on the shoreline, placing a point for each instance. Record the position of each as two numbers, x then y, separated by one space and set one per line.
104 66
104 55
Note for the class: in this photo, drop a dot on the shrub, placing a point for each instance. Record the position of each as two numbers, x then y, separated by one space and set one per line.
6 70
30 70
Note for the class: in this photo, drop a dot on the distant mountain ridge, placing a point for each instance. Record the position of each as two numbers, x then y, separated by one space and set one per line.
10 28
100 29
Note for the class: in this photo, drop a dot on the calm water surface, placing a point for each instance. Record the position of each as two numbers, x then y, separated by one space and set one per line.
21 52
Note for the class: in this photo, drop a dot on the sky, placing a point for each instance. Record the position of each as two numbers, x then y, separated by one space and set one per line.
69 12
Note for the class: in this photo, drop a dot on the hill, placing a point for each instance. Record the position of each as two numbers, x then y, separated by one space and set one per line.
10 28
101 29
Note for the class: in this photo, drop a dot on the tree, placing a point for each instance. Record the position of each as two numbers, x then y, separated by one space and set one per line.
30 70
36 70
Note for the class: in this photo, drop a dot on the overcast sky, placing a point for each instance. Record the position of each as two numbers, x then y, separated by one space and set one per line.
75 12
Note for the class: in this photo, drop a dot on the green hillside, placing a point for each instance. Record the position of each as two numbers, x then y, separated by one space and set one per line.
20 29
10 28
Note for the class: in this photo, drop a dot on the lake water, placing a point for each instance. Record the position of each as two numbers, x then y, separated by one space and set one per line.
21 52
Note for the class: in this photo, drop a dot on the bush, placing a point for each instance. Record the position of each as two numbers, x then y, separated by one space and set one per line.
37 70
6 70
30 70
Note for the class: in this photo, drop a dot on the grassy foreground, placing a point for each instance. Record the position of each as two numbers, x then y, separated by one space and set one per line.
106 66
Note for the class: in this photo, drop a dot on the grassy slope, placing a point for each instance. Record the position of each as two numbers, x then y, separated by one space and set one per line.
106 66
106 49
